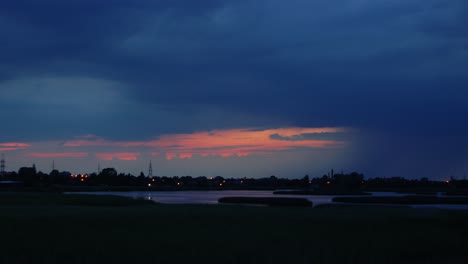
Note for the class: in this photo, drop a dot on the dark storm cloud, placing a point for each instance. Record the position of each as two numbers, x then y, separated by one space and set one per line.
232 51
396 69
49 31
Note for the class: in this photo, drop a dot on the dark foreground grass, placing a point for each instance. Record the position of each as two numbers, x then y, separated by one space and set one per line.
409 199
39 228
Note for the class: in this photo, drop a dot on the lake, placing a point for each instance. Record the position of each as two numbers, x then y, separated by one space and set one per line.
211 197
206 197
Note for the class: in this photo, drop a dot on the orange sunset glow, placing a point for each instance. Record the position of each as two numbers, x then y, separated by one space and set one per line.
118 155
224 143
10 146
58 154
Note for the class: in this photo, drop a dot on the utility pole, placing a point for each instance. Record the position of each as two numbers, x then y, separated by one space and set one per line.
2 165
150 170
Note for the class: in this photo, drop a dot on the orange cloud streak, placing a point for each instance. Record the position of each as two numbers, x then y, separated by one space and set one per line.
10 146
185 155
224 143
118 155
170 156
58 154
241 142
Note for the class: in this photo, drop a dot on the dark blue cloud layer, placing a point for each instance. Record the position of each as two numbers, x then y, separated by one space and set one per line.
396 70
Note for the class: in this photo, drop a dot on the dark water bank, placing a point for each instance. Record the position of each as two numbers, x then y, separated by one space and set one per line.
321 192
62 189
422 191
270 201
446 190
409 199
91 189
57 199
462 192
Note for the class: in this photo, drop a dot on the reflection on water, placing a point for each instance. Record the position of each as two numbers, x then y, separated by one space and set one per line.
206 197
211 197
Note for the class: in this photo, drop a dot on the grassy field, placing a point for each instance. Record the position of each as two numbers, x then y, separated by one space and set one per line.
54 228
408 199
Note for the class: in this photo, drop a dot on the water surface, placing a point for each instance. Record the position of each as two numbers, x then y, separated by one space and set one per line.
211 197
207 197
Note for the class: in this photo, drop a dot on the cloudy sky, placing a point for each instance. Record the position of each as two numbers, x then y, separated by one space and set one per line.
236 87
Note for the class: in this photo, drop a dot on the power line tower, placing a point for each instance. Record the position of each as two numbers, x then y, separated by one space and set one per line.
2 165
150 170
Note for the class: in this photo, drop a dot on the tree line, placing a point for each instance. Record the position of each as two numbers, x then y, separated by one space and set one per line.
30 177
